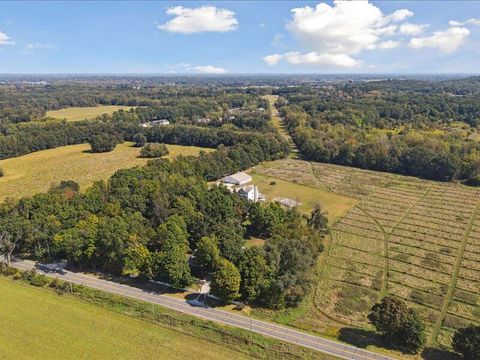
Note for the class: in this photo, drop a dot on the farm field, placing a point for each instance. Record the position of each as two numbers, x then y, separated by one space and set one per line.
85 113
36 172
62 327
336 205
415 239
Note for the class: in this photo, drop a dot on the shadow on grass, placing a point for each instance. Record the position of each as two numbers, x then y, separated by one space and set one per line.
361 338
439 354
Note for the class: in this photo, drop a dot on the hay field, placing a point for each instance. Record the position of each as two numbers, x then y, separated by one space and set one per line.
415 239
36 172
85 113
38 324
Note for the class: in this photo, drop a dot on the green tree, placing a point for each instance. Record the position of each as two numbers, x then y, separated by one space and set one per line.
103 143
255 273
139 140
225 280
317 220
400 325
154 151
466 341
173 256
207 253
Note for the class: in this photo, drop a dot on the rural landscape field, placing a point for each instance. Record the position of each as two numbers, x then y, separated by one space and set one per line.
84 113
407 237
37 172
290 179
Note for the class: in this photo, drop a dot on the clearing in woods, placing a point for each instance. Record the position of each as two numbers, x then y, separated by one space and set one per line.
36 172
277 122
85 113
62 327
415 239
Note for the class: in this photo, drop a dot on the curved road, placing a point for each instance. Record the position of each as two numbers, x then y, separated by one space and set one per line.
283 333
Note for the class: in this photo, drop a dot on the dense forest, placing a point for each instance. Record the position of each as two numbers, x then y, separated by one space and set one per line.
406 127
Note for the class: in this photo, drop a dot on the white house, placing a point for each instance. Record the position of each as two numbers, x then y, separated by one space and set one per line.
240 178
250 192
155 123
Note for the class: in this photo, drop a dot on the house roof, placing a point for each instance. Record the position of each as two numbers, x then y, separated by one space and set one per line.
240 177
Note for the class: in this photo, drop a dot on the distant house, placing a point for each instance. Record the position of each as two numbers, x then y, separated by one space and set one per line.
203 121
261 109
155 123
251 193
240 178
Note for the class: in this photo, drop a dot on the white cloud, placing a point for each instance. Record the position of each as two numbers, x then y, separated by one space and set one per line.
412 29
272 59
400 15
209 69
4 39
31 47
471 21
335 35
446 41
324 60
201 19
389 44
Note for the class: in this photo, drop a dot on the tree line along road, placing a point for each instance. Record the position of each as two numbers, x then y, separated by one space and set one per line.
279 332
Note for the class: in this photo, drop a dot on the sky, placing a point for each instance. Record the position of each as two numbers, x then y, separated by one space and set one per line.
222 37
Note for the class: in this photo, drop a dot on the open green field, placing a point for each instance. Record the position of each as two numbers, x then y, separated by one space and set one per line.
36 172
415 239
336 205
37 324
85 113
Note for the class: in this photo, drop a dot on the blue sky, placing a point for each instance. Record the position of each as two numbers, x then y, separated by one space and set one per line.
240 37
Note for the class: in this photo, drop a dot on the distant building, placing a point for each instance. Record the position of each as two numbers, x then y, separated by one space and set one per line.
290 203
261 109
203 121
251 193
155 123
240 178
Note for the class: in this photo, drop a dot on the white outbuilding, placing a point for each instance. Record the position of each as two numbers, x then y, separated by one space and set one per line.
240 178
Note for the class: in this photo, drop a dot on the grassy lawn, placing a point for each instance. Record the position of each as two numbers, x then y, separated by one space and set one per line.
36 172
37 324
85 113
335 205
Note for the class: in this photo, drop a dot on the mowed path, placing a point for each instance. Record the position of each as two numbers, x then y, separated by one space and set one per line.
278 123
283 333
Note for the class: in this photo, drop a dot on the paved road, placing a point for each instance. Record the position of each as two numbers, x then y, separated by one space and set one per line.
268 329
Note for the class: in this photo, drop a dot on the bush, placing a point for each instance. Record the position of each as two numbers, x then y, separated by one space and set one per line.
40 280
1 172
154 151
139 140
104 143
466 341
401 325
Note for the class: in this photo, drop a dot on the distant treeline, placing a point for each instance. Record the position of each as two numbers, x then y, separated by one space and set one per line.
375 126
22 103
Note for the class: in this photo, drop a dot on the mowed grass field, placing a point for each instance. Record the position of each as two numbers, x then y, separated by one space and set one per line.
415 239
336 205
36 172
85 113
38 324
